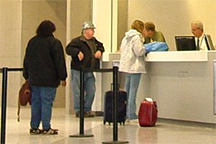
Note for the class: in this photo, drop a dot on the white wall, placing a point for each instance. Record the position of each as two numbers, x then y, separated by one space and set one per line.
173 17
33 13
18 22
102 21
10 45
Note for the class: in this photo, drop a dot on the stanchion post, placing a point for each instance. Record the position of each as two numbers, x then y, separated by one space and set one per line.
81 102
114 109
81 134
4 104
114 101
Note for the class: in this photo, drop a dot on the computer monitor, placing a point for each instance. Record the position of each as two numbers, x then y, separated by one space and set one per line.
185 43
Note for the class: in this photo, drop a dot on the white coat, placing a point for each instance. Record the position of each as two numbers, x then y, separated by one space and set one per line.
132 53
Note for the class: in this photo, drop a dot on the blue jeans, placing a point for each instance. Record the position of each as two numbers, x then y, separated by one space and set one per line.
131 87
89 90
41 106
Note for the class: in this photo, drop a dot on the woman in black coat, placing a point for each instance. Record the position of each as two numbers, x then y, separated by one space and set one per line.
44 69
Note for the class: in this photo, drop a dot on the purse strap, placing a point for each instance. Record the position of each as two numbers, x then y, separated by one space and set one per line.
18 111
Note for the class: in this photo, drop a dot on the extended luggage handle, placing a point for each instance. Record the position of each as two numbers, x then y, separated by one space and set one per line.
111 87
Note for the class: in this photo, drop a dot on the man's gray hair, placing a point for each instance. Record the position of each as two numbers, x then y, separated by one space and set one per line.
198 23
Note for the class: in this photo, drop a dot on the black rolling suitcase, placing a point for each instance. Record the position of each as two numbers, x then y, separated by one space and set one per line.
121 107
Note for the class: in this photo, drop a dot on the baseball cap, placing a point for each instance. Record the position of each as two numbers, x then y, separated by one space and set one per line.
88 25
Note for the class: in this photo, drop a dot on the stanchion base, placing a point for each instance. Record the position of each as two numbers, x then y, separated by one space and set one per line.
81 136
115 142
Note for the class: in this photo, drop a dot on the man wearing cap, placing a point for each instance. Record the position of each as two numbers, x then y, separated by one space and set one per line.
86 52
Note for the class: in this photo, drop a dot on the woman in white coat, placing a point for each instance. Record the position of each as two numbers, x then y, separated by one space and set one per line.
132 62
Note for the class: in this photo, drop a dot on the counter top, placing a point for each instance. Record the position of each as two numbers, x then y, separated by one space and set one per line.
170 56
176 56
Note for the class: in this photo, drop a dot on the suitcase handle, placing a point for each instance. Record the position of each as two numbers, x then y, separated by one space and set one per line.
111 86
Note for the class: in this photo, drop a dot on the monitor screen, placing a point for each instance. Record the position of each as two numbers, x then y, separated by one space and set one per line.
184 43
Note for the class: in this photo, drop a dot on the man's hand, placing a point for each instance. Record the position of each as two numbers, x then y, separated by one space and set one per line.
98 54
80 56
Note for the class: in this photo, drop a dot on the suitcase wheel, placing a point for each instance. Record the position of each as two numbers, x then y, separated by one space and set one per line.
104 122
122 123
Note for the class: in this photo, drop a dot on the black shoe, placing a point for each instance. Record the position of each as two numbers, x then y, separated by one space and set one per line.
88 115
77 114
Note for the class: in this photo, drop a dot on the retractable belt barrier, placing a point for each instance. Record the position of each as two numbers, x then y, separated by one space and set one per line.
5 71
115 71
82 71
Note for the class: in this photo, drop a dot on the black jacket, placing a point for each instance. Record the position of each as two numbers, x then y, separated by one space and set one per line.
44 62
80 44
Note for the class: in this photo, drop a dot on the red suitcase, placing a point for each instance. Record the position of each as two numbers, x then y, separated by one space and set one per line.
148 113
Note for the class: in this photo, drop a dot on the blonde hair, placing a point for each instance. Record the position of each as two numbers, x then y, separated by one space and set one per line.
138 25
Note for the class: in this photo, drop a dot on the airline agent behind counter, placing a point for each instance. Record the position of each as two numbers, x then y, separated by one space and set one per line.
198 32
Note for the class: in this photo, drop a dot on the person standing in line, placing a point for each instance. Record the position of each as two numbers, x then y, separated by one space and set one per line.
133 64
44 69
86 52
151 35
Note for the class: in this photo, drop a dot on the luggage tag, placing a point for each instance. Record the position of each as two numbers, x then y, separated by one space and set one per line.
149 99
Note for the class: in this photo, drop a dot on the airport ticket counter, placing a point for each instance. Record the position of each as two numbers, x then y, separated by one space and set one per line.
182 84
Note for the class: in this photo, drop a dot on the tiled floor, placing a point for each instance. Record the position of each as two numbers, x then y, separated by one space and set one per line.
165 132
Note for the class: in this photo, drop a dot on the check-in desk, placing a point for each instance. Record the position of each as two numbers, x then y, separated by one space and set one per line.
182 84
